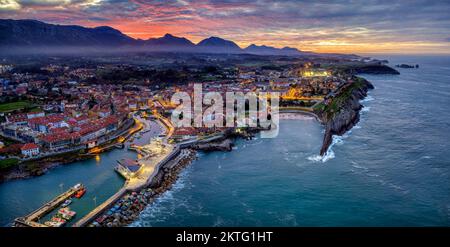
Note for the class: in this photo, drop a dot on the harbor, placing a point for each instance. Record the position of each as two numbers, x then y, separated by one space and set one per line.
150 153
96 173
153 155
33 219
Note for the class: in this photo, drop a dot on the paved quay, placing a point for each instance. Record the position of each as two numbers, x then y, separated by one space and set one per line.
159 153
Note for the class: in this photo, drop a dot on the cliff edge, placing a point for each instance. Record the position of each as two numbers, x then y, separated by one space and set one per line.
339 112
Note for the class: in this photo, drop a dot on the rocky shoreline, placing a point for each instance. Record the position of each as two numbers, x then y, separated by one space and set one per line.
375 69
225 145
127 209
347 98
34 169
40 167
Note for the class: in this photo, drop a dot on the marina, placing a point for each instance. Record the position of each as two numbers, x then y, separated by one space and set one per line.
96 173
33 219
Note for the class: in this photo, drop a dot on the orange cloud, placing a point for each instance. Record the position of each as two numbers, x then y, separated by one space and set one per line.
335 26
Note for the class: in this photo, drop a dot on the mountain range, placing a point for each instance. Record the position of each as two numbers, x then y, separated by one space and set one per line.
22 35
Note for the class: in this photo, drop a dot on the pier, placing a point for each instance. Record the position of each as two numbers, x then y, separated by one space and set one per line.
100 209
32 219
150 164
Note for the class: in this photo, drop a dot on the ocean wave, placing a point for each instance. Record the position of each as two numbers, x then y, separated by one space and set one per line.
365 109
290 157
339 140
154 212
355 165
253 143
367 99
329 154
378 178
218 222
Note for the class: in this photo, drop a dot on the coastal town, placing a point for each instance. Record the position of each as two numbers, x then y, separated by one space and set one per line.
57 112
224 122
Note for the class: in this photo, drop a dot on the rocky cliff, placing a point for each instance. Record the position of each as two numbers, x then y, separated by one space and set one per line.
223 145
340 112
377 69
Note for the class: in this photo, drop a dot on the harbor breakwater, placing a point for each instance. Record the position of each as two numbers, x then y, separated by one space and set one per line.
125 206
126 209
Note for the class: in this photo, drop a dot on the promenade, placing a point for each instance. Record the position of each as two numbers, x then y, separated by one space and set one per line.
159 153
124 132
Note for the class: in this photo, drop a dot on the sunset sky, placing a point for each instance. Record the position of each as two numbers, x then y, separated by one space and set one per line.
344 26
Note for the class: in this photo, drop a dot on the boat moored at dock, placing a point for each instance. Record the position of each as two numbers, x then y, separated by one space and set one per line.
61 217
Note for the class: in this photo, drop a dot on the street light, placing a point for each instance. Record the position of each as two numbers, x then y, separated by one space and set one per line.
61 186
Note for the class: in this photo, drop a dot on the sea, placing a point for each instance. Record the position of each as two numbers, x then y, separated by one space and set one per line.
391 169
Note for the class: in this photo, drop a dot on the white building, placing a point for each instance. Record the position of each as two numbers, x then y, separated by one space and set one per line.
30 149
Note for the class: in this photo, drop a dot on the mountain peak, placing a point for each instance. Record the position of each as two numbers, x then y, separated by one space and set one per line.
168 35
169 40
268 50
216 41
218 45
108 29
253 46
34 35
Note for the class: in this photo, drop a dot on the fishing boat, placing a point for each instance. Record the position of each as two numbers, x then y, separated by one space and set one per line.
66 213
58 222
48 223
80 193
53 224
66 203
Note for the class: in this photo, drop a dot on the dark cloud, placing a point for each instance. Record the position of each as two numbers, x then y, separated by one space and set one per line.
339 21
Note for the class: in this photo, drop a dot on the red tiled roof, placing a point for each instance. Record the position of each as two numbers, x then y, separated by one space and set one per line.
21 117
47 119
59 130
29 146
81 118
54 137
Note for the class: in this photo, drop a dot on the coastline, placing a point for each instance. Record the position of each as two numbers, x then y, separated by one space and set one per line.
129 204
347 99
166 176
127 209
126 204
29 169
123 214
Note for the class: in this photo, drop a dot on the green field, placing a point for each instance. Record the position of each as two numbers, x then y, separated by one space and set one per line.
338 101
6 163
7 107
